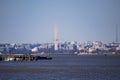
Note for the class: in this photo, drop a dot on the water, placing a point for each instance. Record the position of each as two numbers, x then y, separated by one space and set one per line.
64 67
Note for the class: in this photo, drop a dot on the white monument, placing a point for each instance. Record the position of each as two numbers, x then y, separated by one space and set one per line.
55 37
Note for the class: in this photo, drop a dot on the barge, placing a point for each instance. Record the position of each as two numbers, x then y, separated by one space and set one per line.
23 57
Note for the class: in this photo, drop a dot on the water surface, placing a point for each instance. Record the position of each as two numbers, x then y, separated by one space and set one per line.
64 67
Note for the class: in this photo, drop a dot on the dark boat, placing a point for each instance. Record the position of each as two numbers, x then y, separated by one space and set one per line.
43 58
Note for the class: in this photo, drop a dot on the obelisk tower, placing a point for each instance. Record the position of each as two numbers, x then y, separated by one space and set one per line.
55 37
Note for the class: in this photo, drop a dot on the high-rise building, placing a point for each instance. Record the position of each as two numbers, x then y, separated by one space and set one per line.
55 37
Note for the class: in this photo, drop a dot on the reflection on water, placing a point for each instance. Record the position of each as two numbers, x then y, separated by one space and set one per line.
64 67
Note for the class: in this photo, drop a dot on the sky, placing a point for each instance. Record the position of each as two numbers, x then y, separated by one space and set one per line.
32 21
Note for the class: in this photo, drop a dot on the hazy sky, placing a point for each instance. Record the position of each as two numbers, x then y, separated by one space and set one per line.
32 21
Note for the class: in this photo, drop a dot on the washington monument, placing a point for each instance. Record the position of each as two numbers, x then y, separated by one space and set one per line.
55 37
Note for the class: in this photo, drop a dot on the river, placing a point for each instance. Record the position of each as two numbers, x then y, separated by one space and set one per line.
64 67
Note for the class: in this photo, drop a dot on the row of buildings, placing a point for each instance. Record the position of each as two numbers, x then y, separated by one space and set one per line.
72 47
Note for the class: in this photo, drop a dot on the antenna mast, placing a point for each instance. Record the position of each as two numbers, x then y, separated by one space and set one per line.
116 33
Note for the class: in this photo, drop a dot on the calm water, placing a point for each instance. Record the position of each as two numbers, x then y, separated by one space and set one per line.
64 67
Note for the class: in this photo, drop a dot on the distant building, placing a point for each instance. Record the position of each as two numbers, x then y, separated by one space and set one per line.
35 49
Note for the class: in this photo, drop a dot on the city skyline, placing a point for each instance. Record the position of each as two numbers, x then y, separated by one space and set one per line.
29 21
